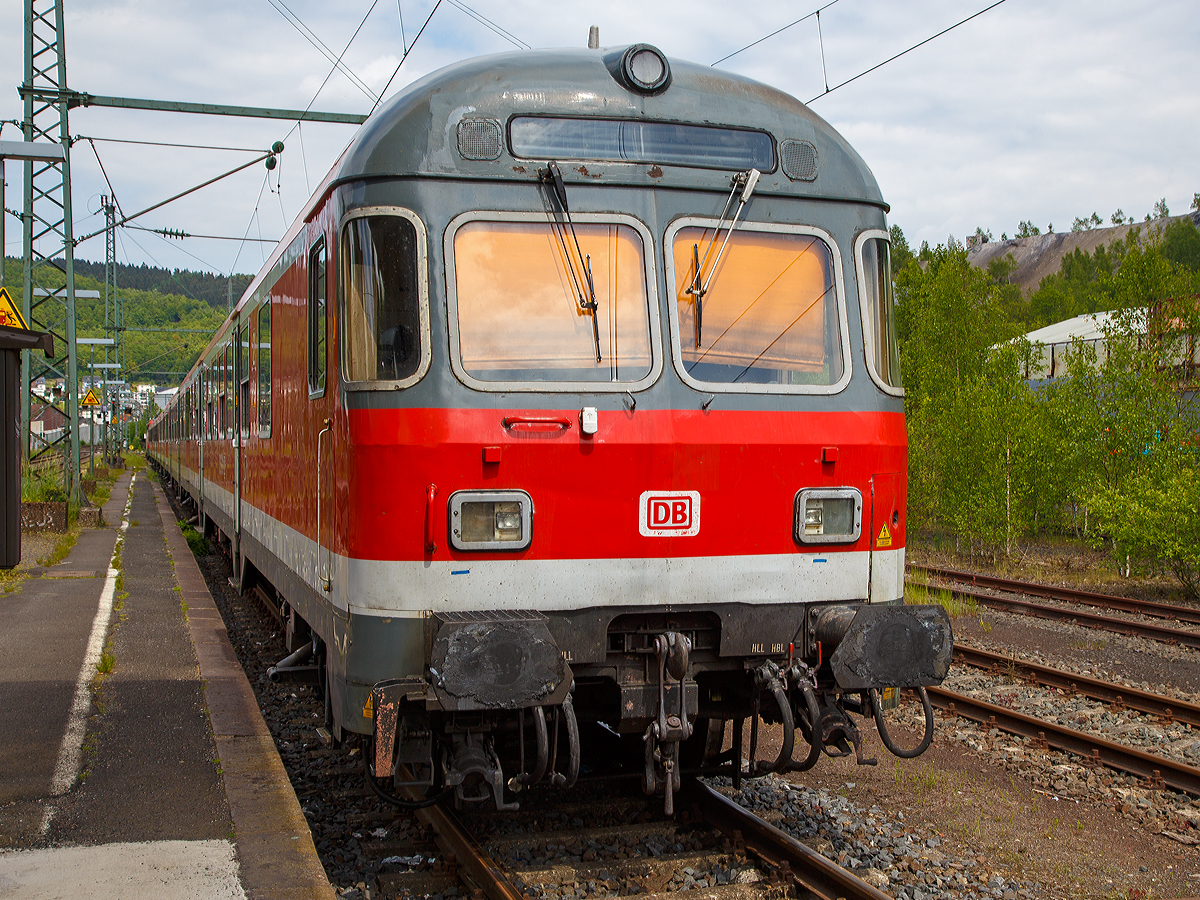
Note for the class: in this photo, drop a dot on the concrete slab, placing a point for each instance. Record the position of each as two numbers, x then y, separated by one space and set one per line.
47 626
181 870
151 771
178 759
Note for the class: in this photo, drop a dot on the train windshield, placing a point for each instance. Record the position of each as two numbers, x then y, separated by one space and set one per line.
879 317
520 317
665 143
382 315
768 313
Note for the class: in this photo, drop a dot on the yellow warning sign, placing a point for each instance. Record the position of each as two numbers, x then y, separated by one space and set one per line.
9 314
369 707
885 537
92 399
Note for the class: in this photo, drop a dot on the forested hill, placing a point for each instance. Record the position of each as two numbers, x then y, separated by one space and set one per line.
1040 255
212 289
166 329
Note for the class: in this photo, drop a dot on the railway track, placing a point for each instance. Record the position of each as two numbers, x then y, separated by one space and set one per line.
1159 771
1131 627
715 844
1066 595
1120 696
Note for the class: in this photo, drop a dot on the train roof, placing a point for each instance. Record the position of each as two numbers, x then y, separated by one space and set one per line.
416 133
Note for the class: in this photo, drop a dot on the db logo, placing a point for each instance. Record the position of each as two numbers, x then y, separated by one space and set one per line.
669 513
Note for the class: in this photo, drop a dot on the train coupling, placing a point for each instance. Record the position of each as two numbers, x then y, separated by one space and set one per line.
670 726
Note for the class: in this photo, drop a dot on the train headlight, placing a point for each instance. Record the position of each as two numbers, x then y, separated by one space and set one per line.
490 520
828 516
645 68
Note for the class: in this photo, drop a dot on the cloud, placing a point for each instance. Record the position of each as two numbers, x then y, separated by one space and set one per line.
1031 111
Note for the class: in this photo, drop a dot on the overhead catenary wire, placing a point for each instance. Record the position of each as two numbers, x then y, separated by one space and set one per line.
775 32
829 90
111 190
334 69
815 14
307 33
489 24
436 6
238 255
171 233
182 286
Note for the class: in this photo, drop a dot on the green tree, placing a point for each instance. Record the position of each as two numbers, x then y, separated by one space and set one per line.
1181 243
1155 519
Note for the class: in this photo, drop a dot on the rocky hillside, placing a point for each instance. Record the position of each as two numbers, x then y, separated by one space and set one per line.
1041 255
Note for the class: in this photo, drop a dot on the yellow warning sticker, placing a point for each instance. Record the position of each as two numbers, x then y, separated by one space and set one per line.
9 314
91 399
885 537
369 707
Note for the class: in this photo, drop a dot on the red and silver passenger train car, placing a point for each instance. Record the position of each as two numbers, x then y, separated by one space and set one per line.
570 404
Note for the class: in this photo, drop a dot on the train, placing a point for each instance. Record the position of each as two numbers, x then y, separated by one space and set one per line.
503 534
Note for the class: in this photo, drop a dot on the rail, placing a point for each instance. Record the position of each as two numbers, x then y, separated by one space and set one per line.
1067 595
1090 620
809 869
1104 691
457 844
1158 770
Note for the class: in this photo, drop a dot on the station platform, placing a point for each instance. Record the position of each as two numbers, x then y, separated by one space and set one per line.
158 778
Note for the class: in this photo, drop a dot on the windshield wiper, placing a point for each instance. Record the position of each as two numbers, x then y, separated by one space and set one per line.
552 176
746 182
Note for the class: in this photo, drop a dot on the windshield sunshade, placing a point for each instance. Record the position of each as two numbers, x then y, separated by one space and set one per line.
702 146
519 316
769 314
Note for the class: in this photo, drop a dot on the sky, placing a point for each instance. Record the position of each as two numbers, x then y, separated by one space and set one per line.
1039 110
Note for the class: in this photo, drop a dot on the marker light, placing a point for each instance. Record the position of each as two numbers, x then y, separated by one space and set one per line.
828 516
490 520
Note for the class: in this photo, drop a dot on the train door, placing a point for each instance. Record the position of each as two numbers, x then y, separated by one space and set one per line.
318 352
201 434
887 564
239 342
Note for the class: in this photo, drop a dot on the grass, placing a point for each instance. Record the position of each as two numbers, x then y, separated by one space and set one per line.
920 782
917 593
107 661
42 486
62 546
197 543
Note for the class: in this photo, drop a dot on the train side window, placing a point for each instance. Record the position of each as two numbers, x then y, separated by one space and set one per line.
244 334
264 369
523 303
878 310
384 309
226 394
317 344
221 395
764 315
